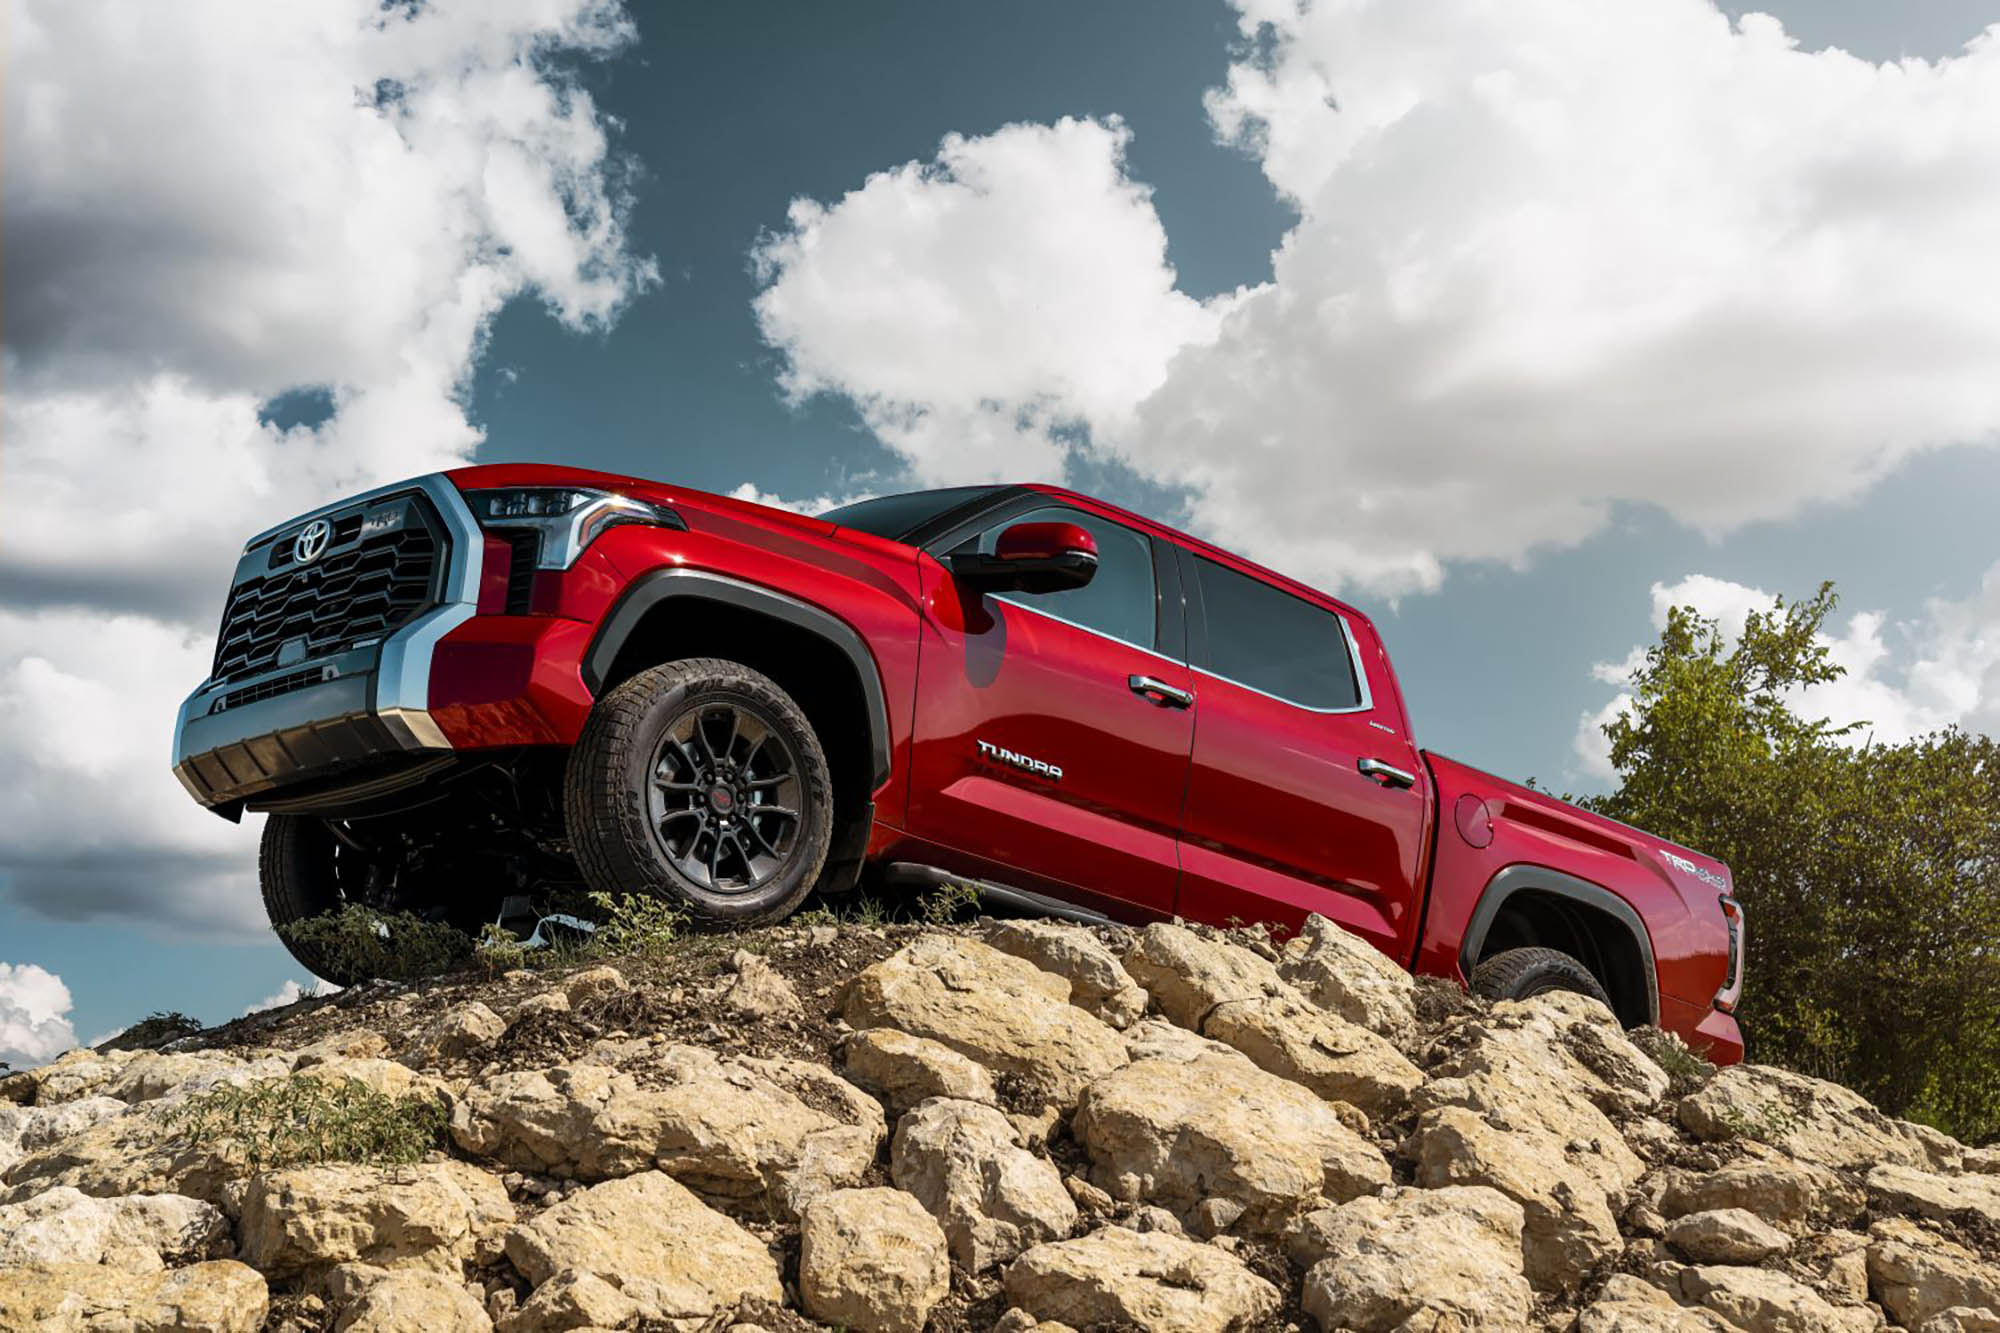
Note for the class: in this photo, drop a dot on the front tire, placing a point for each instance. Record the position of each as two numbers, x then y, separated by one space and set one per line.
1516 974
296 871
702 782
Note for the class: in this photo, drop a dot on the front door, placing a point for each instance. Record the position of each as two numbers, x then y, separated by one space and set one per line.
1297 800
1052 735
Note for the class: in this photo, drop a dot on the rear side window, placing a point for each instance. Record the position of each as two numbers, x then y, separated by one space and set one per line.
1120 600
1266 638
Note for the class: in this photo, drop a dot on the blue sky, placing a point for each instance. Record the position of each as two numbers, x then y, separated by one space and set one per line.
635 342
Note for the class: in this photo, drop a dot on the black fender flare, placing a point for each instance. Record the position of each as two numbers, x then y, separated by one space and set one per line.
1554 883
651 590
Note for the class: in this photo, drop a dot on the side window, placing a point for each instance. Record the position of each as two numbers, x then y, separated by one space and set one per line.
1266 638
1120 599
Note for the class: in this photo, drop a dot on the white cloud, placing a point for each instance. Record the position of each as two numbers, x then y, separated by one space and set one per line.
1947 672
34 1015
1551 257
209 205
817 505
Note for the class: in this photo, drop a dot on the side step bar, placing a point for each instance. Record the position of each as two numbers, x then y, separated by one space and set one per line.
912 875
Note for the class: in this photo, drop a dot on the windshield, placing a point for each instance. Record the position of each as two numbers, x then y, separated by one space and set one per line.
896 516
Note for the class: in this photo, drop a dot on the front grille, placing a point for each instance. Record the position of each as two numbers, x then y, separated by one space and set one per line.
380 569
527 549
272 688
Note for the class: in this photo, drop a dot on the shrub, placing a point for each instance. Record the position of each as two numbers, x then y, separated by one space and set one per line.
305 1120
945 904
636 923
361 941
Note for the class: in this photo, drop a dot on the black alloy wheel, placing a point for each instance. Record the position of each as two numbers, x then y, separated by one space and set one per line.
725 796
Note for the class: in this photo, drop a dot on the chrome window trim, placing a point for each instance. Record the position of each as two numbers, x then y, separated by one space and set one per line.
1057 503
1367 704
1097 633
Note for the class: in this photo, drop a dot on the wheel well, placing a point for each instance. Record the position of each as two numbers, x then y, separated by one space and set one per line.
1591 935
820 677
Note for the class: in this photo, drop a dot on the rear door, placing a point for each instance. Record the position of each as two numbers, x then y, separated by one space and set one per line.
1040 748
1296 795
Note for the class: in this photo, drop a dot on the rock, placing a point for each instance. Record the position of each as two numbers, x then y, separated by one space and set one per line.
1811 1120
994 1199
1918 1275
903 1070
594 984
1154 1281
352 1044
1175 1132
1346 975
461 1030
999 1010
1447 1258
672 1254
1760 1300
1980 1161
1157 1039
1098 982
572 1299
1962 1319
1837 1264
28 1129
1726 1236
1774 1187
731 1127
66 1226
1189 974
414 1302
1628 1305
872 1260
548 1002
221 1296
1516 1101
758 991
307 1219
144 1151
1903 1189
1339 1060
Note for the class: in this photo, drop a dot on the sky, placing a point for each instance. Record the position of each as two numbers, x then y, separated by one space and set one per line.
1513 325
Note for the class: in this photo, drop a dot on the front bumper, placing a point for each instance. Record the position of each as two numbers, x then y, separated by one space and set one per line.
311 720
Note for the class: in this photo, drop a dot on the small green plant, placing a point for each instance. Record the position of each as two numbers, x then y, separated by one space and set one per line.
397 945
636 923
1686 1071
868 911
304 1120
499 950
944 905
1769 1124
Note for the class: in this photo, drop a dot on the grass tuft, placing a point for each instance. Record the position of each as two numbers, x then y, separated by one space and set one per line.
305 1120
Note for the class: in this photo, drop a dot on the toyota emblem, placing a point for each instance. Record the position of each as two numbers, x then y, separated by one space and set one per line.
306 547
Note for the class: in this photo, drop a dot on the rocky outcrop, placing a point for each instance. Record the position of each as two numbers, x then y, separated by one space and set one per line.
1151 1281
989 1006
871 1260
1808 1119
1918 1275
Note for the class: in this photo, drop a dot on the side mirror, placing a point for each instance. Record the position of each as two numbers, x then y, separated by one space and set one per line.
1031 557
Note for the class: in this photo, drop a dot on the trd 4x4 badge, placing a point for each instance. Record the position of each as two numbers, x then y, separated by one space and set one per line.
989 750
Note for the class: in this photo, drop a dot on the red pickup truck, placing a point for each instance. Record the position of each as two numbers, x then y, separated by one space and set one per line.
453 693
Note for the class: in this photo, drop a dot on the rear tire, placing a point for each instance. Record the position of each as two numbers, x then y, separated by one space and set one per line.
295 869
1516 974
702 782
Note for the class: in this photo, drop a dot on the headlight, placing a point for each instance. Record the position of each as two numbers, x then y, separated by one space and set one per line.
567 519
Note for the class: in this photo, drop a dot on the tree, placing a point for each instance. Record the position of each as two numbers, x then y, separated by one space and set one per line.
1869 873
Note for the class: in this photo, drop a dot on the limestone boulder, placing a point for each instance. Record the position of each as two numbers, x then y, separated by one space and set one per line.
871 1260
1770 1185
1628 1305
1188 974
144 1231
220 1296
1339 1060
1098 982
1180 1132
652 1238
996 1009
414 1301
1447 1258
432 1215
1154 1281
730 1127
1762 1300
1918 1275
903 1070
1914 1193
1346 975
1962 1319
145 1151
459 1032
1806 1118
1558 1037
1726 1236
572 1299
595 984
963 1162
756 990
29 1129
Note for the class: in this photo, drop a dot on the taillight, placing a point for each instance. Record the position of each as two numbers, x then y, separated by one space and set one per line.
1732 986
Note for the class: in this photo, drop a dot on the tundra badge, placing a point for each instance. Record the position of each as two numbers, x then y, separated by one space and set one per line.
1020 761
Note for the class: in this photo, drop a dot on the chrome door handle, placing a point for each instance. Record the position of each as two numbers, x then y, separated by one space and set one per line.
1386 774
1160 692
